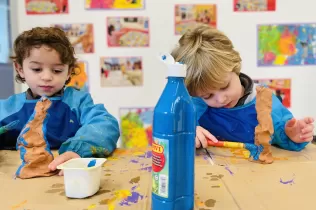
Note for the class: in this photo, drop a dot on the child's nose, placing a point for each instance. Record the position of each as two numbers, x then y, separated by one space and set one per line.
221 99
46 75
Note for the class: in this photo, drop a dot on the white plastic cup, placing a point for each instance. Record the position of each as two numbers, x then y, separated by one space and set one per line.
80 180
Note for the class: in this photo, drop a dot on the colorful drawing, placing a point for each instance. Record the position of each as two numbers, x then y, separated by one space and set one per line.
114 4
121 71
188 15
128 31
280 87
287 44
254 5
34 7
80 81
136 127
80 36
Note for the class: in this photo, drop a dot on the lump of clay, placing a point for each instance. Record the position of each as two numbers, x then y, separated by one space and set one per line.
264 129
32 144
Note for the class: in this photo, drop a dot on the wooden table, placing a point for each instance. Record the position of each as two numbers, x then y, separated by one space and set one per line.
228 181
126 172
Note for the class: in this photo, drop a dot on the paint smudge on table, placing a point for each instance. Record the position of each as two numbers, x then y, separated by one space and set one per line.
92 206
135 180
135 188
19 205
290 182
54 191
118 195
57 185
112 158
210 203
123 198
138 154
132 199
123 170
216 186
148 168
216 177
147 154
229 170
198 201
134 161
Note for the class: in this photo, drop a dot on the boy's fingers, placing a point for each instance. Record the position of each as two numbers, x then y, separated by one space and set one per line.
197 142
204 143
209 136
309 120
61 159
308 129
301 124
57 161
201 138
307 137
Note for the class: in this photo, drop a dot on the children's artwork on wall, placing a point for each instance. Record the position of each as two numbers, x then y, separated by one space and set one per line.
280 87
286 44
115 4
188 15
34 7
80 81
80 36
128 31
254 5
121 71
5 28
136 126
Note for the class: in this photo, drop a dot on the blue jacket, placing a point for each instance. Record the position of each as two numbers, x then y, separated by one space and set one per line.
238 124
75 123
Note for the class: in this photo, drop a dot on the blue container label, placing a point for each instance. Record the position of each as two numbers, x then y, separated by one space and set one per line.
160 165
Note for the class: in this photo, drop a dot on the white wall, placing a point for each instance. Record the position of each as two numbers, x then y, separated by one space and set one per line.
240 27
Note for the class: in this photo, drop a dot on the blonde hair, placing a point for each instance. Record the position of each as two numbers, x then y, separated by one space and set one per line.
209 55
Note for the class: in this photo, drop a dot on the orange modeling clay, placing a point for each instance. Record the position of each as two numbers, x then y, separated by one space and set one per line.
264 130
32 144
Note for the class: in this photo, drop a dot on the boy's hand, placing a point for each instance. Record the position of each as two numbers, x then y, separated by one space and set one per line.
61 159
201 137
300 131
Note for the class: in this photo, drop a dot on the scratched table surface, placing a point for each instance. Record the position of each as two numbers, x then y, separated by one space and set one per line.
227 181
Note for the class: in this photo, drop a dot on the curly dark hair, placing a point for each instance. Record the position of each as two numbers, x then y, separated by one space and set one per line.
52 37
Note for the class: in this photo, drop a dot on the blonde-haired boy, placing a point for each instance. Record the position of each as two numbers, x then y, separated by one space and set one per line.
225 98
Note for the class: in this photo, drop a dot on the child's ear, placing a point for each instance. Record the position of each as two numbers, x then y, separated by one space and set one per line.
18 69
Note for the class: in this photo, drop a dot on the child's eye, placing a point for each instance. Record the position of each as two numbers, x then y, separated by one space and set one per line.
57 71
37 69
208 97
225 87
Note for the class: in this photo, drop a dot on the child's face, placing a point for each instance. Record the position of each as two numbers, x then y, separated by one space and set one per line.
43 71
226 97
